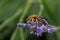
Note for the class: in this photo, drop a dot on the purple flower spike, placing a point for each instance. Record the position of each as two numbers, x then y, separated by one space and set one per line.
37 27
51 30
23 25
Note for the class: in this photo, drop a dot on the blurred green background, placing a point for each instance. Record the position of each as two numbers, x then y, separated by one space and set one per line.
15 11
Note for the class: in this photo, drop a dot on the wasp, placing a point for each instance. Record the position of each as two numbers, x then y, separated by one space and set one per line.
37 18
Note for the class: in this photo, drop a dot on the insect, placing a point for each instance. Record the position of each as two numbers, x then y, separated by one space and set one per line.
36 18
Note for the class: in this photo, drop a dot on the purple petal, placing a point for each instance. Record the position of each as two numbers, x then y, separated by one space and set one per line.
39 31
34 26
42 28
20 24
51 30
31 32
23 25
32 23
39 34
39 22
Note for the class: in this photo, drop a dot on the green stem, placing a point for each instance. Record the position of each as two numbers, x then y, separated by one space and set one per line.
22 37
2 26
23 15
41 7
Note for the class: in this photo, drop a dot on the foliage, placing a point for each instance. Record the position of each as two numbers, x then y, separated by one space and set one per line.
14 11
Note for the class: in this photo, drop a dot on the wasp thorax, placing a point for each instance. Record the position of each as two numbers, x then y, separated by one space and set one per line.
34 18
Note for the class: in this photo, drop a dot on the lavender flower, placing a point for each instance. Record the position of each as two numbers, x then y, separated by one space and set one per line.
34 28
